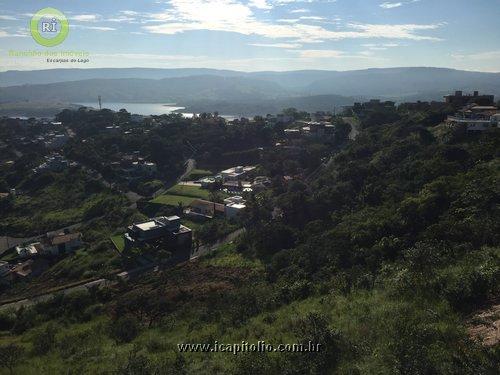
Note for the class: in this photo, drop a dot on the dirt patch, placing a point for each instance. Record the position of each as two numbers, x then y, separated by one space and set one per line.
484 326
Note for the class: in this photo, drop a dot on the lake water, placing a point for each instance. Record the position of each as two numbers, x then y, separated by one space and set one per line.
142 108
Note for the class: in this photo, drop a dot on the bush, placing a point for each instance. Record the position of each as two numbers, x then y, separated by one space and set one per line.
44 340
124 329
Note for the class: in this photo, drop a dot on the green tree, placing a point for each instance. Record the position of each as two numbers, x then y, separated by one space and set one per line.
10 356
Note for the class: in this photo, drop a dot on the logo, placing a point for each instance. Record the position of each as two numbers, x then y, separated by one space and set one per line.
49 27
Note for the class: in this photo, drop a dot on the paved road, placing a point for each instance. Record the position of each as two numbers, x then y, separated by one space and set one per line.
190 165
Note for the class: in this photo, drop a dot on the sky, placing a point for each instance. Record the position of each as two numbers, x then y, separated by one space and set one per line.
256 35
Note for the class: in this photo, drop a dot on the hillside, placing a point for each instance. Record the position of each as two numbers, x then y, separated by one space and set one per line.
157 85
145 90
382 259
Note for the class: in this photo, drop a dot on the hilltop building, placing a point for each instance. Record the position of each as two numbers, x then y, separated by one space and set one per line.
373 104
460 100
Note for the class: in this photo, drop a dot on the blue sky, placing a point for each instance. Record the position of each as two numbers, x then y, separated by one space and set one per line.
265 34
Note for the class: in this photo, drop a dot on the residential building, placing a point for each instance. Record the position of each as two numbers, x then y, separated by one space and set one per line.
279 119
167 230
29 268
29 251
233 206
57 141
112 129
208 209
52 244
236 173
476 118
459 99
233 209
62 243
55 163
136 119
261 183
292 133
135 167
373 104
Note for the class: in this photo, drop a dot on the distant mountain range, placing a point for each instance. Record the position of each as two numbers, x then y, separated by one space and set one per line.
234 92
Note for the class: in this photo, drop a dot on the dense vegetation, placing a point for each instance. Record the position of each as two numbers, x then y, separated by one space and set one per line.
52 201
381 257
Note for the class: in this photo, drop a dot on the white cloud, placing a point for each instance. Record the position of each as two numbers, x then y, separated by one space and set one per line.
129 12
488 55
487 61
302 10
320 53
232 16
277 45
313 18
100 28
7 18
260 4
380 46
388 5
86 17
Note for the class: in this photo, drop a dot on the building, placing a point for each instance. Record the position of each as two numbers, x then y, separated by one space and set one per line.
233 206
62 243
113 129
136 119
52 244
135 167
476 118
203 208
261 183
235 173
55 163
279 119
29 251
460 100
372 105
235 187
29 268
292 133
167 230
56 142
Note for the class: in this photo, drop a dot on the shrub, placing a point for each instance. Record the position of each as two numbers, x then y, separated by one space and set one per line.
124 329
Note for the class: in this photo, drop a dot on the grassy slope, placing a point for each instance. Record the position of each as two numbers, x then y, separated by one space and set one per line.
62 200
183 194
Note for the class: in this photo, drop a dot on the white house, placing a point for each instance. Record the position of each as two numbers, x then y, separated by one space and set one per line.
29 251
234 205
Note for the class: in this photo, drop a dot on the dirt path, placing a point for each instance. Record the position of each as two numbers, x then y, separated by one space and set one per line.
485 326
354 126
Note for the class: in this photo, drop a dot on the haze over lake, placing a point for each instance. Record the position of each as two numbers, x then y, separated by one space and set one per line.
140 108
